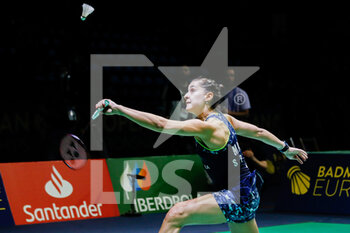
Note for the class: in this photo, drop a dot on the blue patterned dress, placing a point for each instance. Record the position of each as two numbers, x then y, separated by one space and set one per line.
238 197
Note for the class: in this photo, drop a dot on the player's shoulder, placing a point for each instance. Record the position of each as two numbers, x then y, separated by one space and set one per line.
228 116
200 123
217 120
214 120
230 119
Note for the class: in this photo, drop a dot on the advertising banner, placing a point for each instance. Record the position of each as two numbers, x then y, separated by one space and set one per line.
321 185
155 184
40 192
5 211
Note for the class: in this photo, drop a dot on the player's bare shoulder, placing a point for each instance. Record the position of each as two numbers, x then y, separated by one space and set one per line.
230 118
215 121
219 125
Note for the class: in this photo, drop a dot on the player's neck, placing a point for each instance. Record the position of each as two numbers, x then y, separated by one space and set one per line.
204 115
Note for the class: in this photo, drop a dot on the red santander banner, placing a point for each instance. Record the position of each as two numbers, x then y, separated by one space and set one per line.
40 192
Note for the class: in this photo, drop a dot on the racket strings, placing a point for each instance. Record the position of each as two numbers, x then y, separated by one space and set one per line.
73 153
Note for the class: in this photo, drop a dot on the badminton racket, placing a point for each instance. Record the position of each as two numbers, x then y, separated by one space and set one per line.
72 149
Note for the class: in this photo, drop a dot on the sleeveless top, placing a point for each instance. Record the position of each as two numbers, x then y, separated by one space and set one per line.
215 162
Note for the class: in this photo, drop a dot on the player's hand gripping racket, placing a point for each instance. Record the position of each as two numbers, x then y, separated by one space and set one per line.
72 149
99 110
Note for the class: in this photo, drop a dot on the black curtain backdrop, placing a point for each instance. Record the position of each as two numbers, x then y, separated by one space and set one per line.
299 91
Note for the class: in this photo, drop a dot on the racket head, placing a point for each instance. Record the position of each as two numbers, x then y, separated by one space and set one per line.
73 151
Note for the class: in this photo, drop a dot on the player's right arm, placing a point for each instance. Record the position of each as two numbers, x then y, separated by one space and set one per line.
193 127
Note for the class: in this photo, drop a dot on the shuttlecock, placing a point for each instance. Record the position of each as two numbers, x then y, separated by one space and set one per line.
299 180
87 10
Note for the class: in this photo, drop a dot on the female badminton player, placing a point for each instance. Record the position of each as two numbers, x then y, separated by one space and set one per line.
214 133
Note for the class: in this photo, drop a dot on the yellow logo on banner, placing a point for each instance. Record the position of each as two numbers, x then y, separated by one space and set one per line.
300 181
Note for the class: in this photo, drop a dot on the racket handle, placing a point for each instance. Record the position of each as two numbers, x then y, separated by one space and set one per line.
106 104
98 111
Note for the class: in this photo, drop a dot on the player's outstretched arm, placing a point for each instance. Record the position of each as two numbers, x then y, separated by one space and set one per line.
157 123
251 131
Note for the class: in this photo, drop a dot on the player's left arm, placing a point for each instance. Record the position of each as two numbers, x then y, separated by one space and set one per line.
251 131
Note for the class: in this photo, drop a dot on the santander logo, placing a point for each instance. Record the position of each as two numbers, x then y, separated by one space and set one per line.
58 187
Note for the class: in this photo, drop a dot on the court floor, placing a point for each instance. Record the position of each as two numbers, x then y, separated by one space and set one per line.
268 222
310 227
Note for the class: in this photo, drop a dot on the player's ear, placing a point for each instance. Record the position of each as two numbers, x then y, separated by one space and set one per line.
209 96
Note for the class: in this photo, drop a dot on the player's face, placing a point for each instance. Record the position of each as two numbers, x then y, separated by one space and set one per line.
195 98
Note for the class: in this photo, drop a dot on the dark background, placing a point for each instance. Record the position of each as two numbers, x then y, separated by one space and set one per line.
300 90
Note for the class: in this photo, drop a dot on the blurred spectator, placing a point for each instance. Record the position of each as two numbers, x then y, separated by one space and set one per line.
238 100
269 162
257 156
262 164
